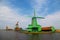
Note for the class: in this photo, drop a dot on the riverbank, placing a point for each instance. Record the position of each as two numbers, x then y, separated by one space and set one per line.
57 30
43 32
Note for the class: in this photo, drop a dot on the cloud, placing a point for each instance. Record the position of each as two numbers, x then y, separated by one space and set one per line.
9 16
51 20
39 5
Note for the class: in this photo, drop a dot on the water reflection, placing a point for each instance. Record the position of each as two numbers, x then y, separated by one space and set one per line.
41 37
11 35
34 37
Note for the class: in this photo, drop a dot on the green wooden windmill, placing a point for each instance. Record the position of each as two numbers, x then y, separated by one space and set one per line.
34 26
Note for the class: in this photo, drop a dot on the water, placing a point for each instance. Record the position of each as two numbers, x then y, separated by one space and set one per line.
11 35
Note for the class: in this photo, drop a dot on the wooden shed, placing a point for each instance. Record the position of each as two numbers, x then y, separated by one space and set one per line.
46 29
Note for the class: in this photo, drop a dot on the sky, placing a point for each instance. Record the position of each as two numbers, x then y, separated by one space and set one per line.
12 11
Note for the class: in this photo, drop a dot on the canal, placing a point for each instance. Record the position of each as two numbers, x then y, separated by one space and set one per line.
12 35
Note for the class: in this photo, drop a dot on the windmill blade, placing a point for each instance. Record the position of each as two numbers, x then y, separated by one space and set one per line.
29 16
40 17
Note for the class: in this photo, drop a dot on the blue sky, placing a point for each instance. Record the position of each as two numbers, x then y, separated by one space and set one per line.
12 11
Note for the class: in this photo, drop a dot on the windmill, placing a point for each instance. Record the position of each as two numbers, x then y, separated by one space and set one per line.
17 27
34 26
